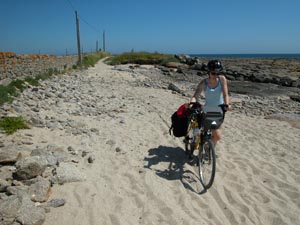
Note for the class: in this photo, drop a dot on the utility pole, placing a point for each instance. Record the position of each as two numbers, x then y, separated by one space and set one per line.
97 46
104 40
78 38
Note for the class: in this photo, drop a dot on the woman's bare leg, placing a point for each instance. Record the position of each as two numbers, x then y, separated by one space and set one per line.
216 136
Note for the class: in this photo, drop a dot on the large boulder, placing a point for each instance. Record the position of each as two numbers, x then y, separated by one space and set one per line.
29 214
40 190
66 173
46 155
19 209
9 155
3 185
6 172
286 81
9 209
30 167
174 88
199 66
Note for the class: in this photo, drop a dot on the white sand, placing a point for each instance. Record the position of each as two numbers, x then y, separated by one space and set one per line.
148 180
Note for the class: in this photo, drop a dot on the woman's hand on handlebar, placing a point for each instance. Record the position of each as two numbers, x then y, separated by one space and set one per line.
226 107
229 108
194 105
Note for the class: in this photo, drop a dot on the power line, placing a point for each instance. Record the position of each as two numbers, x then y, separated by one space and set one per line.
72 6
84 20
91 26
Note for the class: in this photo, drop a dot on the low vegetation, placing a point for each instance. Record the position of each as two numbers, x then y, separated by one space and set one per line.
12 124
7 93
91 59
141 58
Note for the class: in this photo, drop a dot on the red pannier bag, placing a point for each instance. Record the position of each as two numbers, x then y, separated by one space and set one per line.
179 120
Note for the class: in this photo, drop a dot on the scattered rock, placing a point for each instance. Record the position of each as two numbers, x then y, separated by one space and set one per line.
45 155
84 153
30 167
40 190
118 149
295 98
30 214
111 142
9 155
72 150
3 185
57 202
173 87
91 159
67 173
9 209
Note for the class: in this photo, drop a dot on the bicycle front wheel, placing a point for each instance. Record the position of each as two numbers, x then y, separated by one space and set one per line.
207 163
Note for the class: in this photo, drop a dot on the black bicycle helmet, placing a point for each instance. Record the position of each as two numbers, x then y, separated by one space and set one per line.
214 66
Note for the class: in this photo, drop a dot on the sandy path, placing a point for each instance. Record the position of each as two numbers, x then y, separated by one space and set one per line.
140 175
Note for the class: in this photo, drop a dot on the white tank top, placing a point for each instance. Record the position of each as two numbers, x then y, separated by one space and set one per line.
214 96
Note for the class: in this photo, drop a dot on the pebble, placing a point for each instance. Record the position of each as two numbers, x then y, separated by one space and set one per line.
118 149
91 159
57 202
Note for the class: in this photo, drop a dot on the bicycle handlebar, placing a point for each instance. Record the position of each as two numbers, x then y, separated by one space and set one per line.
197 105
224 107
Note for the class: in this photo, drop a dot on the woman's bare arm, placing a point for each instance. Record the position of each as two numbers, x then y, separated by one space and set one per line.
225 91
199 90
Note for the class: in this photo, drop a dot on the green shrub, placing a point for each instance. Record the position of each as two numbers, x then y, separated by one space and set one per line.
31 80
11 90
12 124
19 84
91 59
169 59
6 93
46 75
140 58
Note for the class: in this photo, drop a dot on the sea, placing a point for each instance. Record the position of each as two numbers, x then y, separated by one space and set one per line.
279 56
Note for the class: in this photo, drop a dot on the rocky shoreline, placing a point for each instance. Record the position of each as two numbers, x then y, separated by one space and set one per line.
28 170
251 97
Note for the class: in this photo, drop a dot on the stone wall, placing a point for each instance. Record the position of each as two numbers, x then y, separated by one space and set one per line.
14 66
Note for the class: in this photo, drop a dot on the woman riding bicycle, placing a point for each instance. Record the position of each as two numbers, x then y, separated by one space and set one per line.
215 90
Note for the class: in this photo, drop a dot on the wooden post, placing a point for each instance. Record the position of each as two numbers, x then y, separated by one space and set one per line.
104 40
78 38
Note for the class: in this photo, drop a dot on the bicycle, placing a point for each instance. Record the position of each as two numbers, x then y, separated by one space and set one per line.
202 120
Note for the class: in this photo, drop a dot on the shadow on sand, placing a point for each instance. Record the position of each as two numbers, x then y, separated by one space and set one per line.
176 159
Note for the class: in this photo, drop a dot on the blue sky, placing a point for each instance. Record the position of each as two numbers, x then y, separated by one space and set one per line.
166 26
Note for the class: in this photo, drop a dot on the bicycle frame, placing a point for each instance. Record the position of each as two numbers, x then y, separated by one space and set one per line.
204 134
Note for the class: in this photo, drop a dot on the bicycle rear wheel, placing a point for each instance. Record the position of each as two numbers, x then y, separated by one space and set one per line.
207 163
